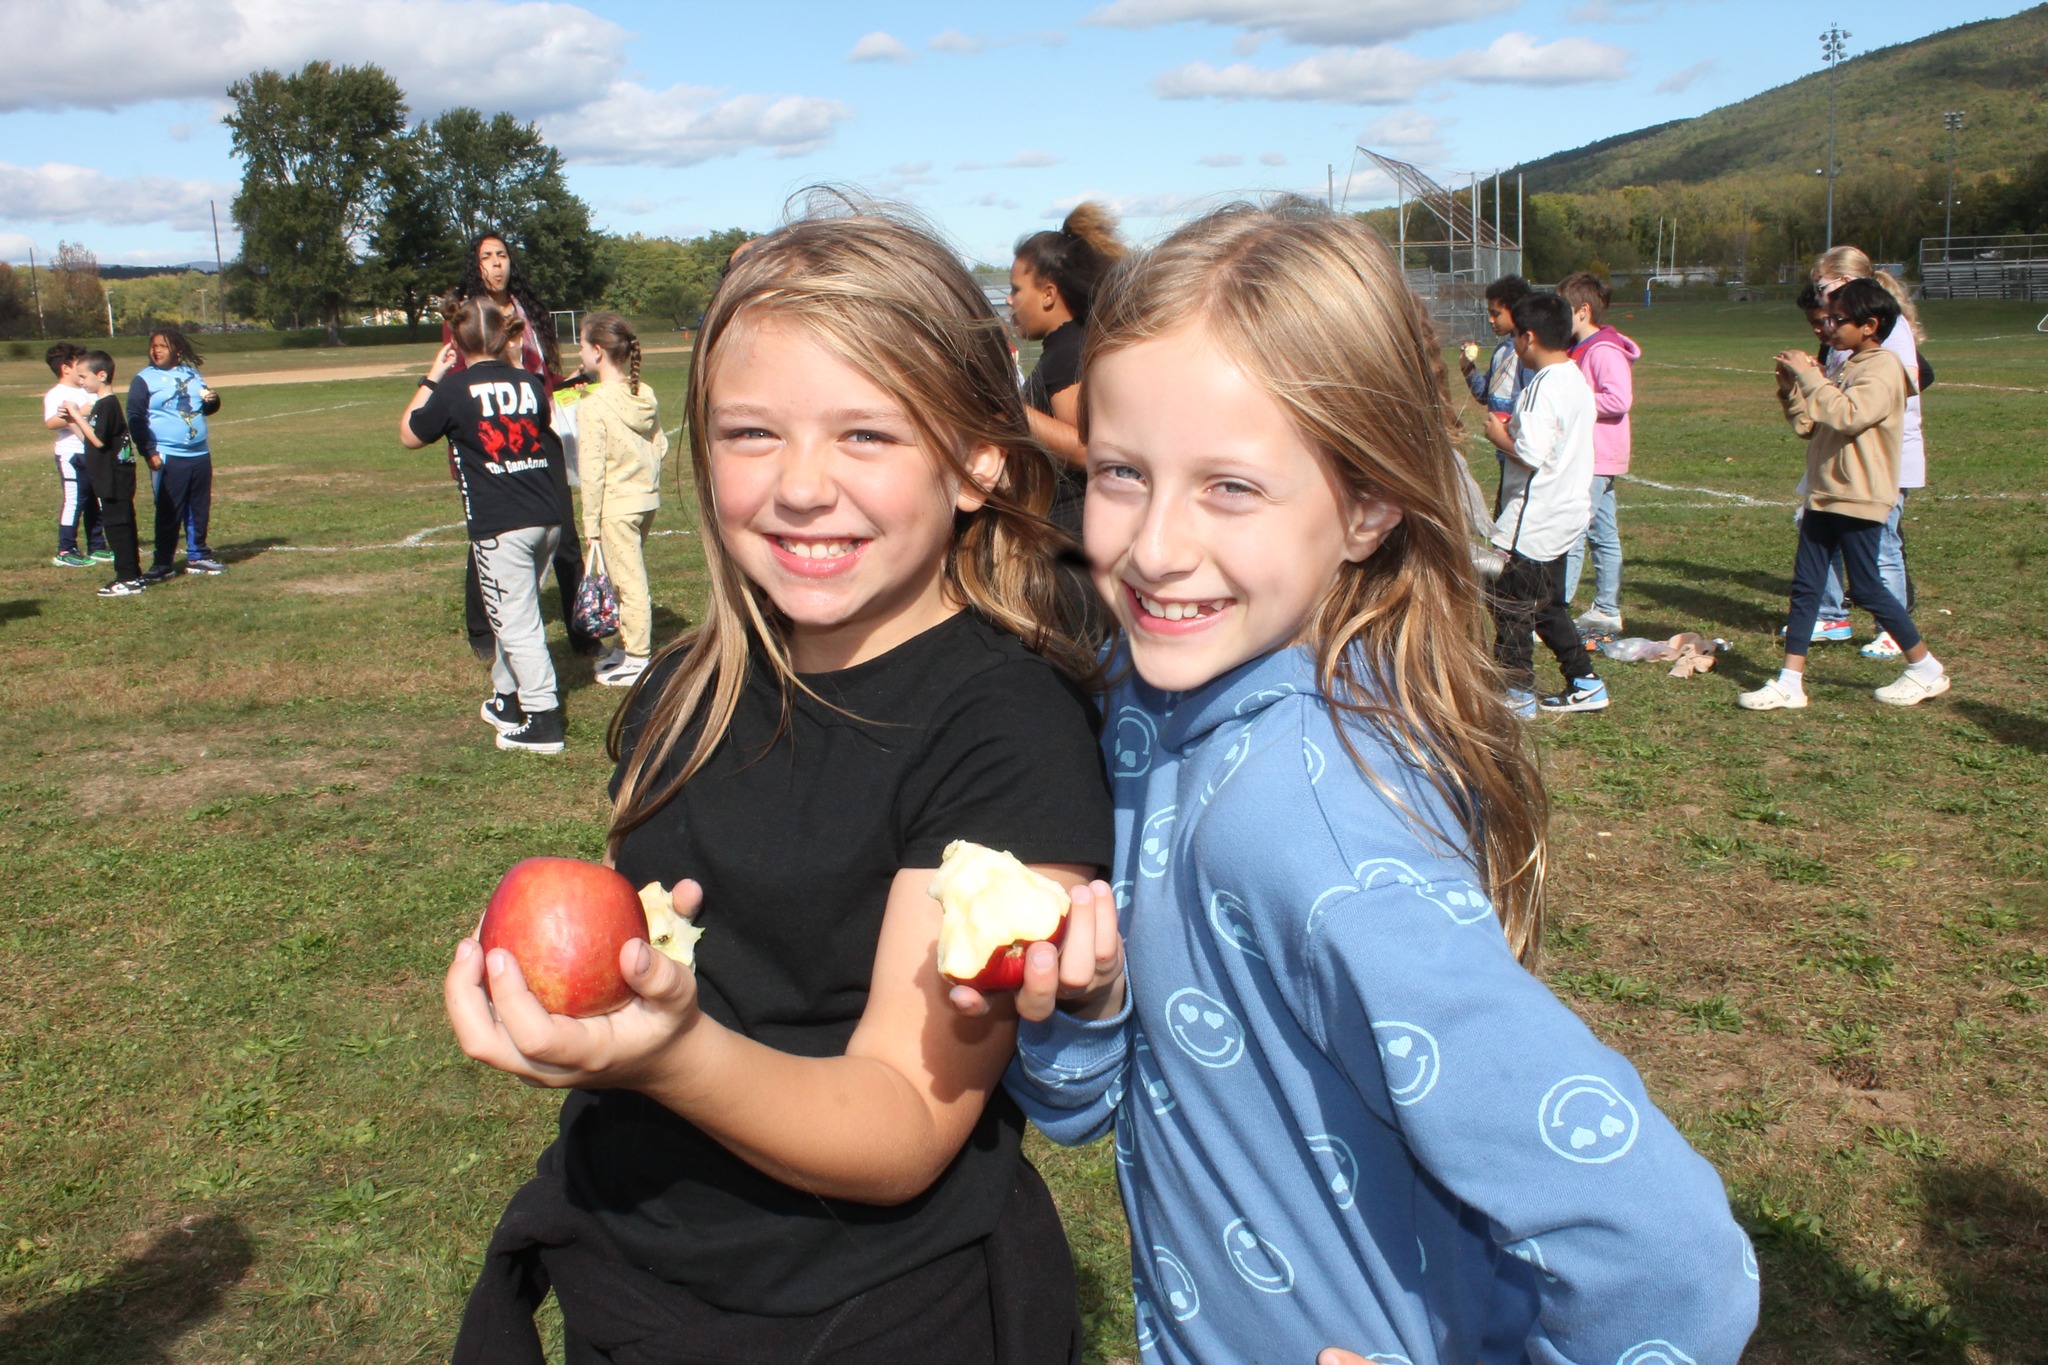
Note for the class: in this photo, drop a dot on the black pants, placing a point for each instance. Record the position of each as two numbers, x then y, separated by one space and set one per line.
184 489
1823 535
113 483
1529 595
1006 1300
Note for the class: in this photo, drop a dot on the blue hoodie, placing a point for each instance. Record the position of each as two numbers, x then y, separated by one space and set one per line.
1345 1115
165 412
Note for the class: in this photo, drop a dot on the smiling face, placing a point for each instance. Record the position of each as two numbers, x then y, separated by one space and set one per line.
1214 529
494 263
827 497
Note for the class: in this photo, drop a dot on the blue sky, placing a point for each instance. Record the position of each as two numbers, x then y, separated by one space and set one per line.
680 118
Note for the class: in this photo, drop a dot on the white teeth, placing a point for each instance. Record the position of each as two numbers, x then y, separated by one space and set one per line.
817 549
1179 611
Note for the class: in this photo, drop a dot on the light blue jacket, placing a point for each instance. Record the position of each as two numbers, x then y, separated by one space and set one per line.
165 412
1344 1114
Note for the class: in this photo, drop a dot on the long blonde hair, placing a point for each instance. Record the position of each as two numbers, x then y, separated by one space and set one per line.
1850 263
883 294
1313 307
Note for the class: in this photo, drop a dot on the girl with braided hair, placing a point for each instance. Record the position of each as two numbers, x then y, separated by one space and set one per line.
493 272
619 427
1052 282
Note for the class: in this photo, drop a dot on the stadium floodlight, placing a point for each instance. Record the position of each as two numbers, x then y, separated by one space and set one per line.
1953 121
1834 45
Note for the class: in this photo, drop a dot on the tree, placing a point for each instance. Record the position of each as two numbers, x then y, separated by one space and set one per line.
663 277
497 174
17 310
74 300
311 145
415 252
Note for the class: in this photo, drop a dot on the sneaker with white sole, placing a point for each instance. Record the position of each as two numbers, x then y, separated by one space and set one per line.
1827 631
1883 647
1584 694
625 674
205 564
1908 690
609 660
1522 703
501 712
539 733
123 587
71 559
1597 622
100 556
1772 696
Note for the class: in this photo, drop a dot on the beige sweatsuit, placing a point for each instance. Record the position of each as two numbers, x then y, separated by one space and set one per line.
620 449
1854 425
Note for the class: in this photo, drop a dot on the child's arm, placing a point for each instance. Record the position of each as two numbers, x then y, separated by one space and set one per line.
1851 404
593 458
1613 380
83 426
876 1125
1070 1065
444 361
138 422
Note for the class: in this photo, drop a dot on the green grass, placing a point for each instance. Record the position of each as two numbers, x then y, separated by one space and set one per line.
247 817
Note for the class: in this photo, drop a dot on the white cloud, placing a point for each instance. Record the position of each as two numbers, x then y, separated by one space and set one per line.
638 208
1391 75
1030 160
1518 59
1614 11
685 125
554 62
992 200
1681 80
1317 22
1128 205
1409 128
972 166
1220 159
879 47
1272 158
14 248
179 132
57 193
953 40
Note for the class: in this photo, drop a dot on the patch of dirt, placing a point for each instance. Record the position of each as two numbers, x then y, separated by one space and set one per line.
162 774
321 375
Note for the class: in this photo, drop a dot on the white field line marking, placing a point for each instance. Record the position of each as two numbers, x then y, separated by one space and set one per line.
1737 369
1743 499
302 412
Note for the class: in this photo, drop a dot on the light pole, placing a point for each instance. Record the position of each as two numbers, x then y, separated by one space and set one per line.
1953 121
1833 45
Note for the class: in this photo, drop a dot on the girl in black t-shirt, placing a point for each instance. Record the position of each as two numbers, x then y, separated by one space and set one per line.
801 1149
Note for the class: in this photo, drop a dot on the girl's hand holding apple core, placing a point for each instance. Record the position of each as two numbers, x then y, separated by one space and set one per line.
1084 973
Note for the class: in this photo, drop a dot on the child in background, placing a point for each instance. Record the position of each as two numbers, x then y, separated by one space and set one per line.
1607 359
495 418
1546 489
622 447
1832 624
76 506
1854 426
1497 389
1346 1116
110 464
797 1152
168 404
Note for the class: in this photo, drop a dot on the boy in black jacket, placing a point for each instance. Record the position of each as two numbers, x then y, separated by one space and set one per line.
110 463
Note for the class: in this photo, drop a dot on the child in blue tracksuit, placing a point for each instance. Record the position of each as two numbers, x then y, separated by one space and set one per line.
168 404
1500 384
1350 1125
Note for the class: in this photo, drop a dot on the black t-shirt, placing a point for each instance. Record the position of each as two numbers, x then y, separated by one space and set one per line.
796 834
496 418
111 463
1059 367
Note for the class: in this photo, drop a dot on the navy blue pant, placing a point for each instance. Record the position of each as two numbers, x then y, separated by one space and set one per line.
184 490
1823 535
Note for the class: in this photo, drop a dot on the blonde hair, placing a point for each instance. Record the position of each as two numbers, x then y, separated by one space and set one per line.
1313 307
614 336
883 294
1850 263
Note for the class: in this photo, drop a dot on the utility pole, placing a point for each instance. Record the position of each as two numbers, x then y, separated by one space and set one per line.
1834 44
37 290
1953 121
219 270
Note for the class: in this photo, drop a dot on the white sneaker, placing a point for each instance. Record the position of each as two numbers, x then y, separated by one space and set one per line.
1910 691
625 675
1772 696
610 659
1883 647
1596 621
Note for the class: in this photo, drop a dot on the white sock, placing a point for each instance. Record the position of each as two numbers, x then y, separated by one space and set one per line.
1927 670
1793 681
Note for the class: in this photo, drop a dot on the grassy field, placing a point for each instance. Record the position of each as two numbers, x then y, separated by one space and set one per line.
247 817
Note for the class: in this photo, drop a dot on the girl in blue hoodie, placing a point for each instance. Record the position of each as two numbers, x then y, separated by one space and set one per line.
1350 1124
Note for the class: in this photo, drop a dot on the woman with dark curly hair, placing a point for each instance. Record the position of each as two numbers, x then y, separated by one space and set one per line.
491 270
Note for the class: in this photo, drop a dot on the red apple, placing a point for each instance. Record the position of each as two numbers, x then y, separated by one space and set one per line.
565 921
992 908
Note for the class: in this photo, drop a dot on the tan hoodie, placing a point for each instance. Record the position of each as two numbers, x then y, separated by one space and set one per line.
1854 425
619 449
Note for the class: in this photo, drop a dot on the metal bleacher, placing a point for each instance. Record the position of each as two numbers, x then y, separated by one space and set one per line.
2007 267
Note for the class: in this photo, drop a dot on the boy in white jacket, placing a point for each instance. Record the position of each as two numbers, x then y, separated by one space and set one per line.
621 447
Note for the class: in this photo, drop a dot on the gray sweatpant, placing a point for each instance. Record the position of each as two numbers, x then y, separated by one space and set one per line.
509 568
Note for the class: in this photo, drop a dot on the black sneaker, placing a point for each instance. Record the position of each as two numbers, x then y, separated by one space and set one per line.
1587 694
502 712
540 733
159 573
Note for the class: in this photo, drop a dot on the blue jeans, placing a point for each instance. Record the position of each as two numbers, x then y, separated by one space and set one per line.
1891 566
1605 534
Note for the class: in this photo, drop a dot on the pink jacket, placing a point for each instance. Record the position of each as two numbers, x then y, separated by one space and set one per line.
1606 358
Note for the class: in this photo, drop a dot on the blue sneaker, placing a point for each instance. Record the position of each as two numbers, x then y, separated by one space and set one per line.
72 559
1522 703
1827 631
1584 694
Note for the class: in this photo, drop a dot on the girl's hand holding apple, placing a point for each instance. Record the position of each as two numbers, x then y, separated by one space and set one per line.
1084 971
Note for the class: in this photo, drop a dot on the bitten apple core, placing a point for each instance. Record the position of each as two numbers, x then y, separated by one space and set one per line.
667 932
990 903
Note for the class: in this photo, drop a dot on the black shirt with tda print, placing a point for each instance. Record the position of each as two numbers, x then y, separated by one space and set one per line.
796 832
496 417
